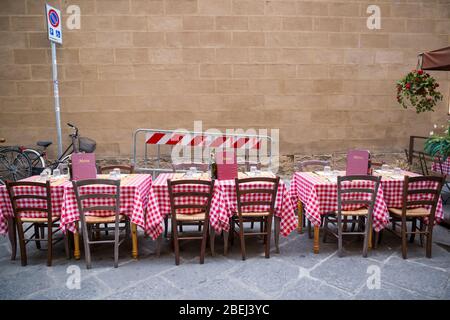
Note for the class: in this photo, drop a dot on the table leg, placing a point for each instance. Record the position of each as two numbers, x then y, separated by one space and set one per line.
316 239
225 242
12 237
277 234
369 245
76 242
300 217
134 241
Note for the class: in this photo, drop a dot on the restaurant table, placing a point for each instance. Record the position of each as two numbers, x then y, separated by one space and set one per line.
318 196
224 203
438 164
136 197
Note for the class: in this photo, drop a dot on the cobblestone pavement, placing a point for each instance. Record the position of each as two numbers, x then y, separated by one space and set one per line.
295 273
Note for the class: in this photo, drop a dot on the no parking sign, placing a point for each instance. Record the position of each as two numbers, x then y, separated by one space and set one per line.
54 24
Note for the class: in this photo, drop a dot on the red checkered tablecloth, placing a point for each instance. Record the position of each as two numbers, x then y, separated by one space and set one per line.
136 199
224 202
319 196
436 166
6 211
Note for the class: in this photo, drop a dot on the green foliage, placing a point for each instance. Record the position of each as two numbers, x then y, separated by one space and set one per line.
439 145
418 90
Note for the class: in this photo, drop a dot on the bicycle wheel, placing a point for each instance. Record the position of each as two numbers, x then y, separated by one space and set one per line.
36 160
14 165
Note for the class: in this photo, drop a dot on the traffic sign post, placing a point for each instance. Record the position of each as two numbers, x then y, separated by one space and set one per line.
55 36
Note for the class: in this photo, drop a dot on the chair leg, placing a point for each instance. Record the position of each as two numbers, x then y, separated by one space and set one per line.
23 250
176 244
37 236
166 226
212 239
12 237
413 229
206 231
49 245
309 230
241 237
232 230
269 232
377 239
225 242
252 225
87 249
340 252
429 239
421 228
325 229
116 245
404 239
67 245
277 234
158 245
367 230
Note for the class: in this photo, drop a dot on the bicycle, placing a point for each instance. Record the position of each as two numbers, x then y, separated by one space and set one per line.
14 163
38 157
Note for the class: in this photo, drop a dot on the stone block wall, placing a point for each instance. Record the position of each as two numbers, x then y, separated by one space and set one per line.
309 68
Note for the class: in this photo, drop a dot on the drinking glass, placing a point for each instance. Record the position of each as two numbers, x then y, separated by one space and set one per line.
398 171
117 172
385 168
327 169
56 173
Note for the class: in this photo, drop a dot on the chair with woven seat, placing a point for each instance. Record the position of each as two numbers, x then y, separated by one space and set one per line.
123 169
306 166
184 166
26 205
105 202
362 197
266 199
190 208
419 202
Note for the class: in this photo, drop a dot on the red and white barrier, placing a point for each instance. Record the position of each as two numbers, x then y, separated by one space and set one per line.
202 140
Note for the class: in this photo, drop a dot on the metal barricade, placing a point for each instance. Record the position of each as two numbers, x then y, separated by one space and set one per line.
158 138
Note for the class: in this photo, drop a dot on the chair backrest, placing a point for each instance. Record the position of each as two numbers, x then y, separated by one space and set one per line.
265 197
123 169
89 199
27 196
190 196
183 166
422 191
376 164
357 191
247 164
308 165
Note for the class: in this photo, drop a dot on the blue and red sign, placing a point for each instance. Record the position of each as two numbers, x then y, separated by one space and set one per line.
53 18
54 24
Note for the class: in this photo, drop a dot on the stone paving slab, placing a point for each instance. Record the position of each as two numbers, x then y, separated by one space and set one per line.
295 273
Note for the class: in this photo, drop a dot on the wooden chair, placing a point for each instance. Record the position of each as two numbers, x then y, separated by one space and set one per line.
413 211
348 194
184 166
305 166
90 223
179 201
264 217
35 204
123 169
247 164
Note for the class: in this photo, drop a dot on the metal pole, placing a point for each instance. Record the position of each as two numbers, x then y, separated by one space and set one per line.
56 96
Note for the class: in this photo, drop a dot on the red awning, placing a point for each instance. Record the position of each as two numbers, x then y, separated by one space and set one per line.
436 60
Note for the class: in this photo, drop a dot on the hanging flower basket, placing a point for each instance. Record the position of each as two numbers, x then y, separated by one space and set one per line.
418 90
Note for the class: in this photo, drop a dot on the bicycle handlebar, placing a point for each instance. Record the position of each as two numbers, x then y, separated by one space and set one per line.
74 127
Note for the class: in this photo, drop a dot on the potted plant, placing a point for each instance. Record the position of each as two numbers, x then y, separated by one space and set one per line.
438 144
418 90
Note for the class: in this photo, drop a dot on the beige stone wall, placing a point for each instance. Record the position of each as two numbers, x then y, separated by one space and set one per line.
310 68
